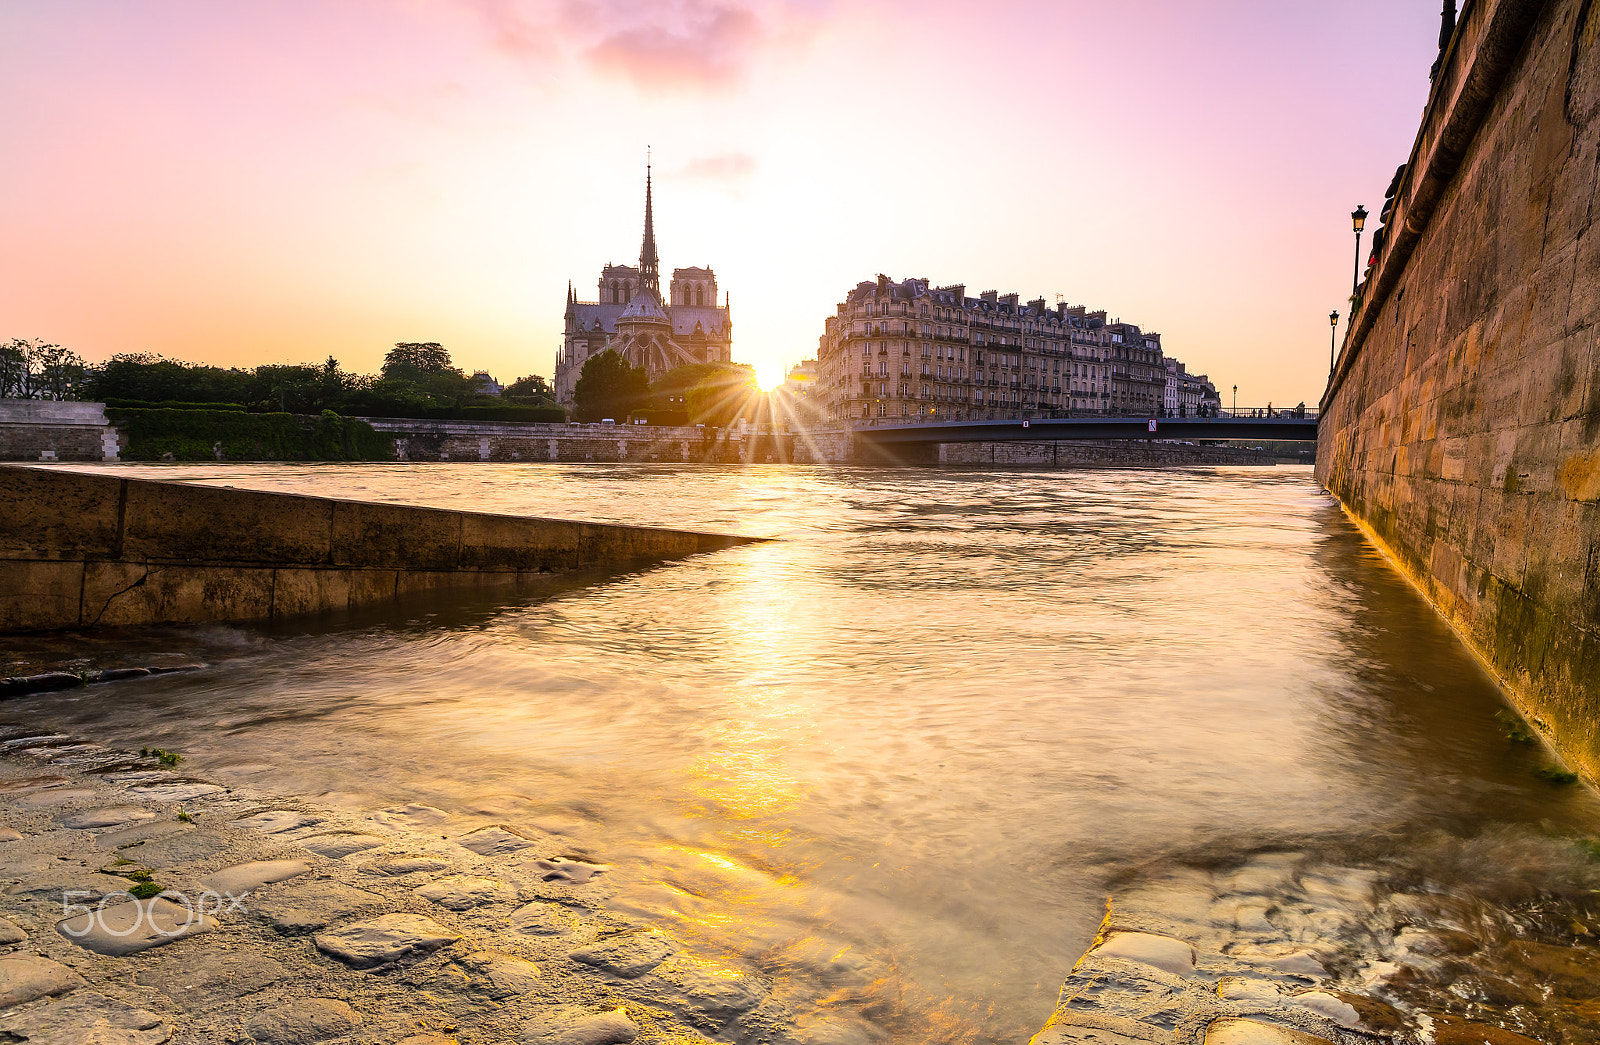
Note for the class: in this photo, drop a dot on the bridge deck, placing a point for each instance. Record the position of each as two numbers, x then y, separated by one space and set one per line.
1038 429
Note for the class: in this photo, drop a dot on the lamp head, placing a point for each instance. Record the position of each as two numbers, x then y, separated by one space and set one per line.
1333 319
1358 217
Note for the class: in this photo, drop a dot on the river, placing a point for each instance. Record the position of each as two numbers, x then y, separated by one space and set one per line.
895 756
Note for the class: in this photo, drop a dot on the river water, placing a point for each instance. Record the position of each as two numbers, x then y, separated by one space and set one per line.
914 737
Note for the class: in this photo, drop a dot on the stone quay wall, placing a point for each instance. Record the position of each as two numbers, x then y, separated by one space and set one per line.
46 430
1461 428
1104 454
417 440
80 550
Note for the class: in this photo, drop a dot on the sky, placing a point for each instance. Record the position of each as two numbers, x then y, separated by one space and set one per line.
273 181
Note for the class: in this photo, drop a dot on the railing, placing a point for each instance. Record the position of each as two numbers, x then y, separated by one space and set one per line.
1269 411
1026 411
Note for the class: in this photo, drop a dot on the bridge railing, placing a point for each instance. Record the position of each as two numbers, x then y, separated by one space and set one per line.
1241 413
1269 411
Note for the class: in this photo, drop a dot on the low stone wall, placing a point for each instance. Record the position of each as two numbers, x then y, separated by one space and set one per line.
417 440
1107 454
46 430
81 550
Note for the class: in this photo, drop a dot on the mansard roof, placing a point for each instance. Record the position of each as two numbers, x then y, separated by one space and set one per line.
913 289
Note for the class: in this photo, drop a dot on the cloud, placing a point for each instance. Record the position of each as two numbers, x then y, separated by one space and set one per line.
654 45
725 170
518 29
704 47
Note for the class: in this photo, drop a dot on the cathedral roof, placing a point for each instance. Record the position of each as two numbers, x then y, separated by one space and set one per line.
644 308
711 320
587 312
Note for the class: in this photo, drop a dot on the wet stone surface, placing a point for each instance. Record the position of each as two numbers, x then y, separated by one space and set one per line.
280 922
1286 950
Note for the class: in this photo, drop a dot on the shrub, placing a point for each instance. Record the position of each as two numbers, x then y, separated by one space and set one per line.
229 435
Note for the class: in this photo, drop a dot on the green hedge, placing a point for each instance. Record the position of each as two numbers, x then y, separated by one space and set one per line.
139 404
230 435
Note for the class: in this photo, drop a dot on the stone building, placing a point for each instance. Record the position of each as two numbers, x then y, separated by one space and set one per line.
1188 395
910 350
631 316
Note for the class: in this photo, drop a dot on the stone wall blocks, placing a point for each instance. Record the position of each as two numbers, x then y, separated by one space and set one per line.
39 594
53 442
128 593
509 543
386 536
296 592
410 582
65 568
174 521
1564 554
1552 295
1510 539
1584 309
48 514
1577 465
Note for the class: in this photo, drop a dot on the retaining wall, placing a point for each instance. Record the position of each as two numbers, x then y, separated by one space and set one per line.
80 550
1111 454
1461 428
47 430
417 440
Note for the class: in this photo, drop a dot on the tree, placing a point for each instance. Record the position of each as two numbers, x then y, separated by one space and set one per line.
36 370
417 361
14 370
148 378
721 393
609 386
531 387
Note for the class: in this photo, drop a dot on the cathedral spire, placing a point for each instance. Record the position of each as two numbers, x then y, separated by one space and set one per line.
649 264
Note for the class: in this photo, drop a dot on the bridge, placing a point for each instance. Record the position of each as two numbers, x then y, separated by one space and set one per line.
1191 429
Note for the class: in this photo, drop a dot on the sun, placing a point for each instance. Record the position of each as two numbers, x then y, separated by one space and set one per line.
769 375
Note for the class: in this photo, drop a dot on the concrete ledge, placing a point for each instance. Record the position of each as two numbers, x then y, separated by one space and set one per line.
81 550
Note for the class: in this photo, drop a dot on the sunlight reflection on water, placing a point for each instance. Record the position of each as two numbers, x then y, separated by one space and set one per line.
895 755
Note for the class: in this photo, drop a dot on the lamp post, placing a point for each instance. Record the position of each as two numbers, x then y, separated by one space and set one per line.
1235 400
1333 325
1358 218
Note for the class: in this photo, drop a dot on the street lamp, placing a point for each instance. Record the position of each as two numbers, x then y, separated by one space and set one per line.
1358 219
1333 324
1235 400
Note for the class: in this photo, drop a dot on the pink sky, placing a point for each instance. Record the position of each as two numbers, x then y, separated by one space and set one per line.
249 182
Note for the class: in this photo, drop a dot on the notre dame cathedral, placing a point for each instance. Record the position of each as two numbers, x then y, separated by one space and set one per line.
631 317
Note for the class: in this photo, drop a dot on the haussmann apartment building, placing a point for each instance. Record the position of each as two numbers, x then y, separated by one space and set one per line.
907 351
